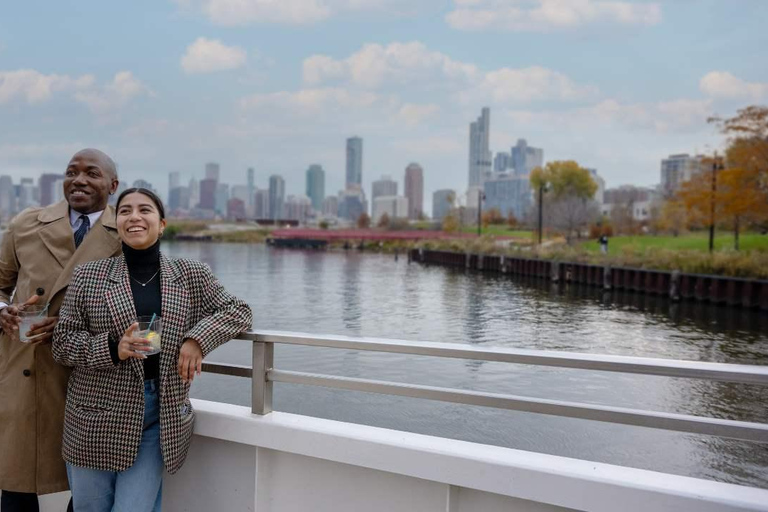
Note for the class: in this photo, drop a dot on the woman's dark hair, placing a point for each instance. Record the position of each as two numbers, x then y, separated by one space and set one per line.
146 192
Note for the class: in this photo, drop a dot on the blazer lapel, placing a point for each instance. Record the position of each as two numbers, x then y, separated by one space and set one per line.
175 309
119 299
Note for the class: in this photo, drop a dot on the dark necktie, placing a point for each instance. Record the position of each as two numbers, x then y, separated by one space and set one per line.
82 230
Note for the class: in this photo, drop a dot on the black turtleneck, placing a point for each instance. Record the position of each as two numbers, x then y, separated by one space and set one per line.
144 268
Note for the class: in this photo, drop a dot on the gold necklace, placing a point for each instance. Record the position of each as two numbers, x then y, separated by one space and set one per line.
148 281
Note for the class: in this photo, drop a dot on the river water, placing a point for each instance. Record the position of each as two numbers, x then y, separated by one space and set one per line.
374 295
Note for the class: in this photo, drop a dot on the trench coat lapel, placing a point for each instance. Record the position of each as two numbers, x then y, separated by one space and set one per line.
100 242
119 299
56 234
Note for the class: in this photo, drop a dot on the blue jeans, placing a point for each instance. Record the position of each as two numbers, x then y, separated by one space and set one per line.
138 488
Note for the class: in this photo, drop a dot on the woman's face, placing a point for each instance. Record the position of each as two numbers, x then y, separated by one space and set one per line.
138 221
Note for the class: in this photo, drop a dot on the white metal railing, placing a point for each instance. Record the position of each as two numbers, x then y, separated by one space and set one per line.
263 375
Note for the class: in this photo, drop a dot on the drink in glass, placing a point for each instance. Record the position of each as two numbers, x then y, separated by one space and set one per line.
30 315
150 329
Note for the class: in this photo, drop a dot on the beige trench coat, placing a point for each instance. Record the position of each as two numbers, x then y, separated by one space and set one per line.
38 250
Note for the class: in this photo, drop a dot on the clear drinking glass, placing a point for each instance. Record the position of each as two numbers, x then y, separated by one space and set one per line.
30 315
151 330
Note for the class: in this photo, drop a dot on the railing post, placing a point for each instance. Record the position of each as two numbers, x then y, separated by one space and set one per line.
261 388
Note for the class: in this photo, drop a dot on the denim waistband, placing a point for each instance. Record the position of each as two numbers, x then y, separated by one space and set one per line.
151 385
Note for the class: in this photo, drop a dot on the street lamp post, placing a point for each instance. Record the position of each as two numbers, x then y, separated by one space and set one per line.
480 197
541 210
712 205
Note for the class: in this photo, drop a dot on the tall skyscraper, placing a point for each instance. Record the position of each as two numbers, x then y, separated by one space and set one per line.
26 195
385 186
526 158
222 198
194 193
251 192
316 186
414 190
479 153
207 194
261 204
212 171
174 180
7 197
355 162
600 182
442 203
45 184
276 197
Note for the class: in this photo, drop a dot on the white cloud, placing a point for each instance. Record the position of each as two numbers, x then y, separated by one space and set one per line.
412 114
526 85
309 101
114 95
289 12
681 115
209 55
375 65
721 84
548 15
34 87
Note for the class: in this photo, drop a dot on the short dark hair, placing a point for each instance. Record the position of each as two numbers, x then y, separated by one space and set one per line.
139 190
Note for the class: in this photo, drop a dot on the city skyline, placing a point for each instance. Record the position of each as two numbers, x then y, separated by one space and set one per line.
614 87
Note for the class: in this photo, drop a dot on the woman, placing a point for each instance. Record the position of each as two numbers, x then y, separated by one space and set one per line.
120 402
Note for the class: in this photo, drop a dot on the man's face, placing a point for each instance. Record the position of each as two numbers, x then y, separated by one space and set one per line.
88 181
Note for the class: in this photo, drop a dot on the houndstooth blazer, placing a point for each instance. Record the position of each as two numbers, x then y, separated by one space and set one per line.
104 413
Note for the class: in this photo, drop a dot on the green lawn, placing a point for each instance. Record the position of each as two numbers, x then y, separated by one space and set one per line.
691 241
500 230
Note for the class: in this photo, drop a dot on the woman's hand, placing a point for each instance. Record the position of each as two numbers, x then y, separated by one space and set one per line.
131 346
190 360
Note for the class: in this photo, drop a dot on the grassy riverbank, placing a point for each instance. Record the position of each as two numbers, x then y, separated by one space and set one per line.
215 231
662 253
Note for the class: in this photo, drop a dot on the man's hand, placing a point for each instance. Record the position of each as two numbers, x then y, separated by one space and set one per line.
132 346
42 332
9 320
190 360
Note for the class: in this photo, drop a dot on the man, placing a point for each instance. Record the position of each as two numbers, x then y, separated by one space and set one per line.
38 253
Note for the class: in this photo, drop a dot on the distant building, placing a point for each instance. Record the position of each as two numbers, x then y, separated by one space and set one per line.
143 184
178 199
676 170
222 197
212 171
354 161
45 185
174 180
26 194
600 182
261 204
194 193
236 209
276 197
414 190
249 204
502 161
208 194
441 203
394 206
638 201
509 193
316 186
526 158
7 197
352 204
240 192
479 152
385 186
298 208
331 206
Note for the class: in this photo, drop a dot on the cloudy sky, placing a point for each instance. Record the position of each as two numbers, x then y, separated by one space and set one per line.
167 85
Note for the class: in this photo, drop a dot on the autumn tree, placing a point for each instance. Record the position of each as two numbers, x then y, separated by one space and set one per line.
364 221
569 196
383 221
512 221
492 217
450 223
